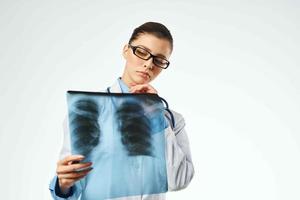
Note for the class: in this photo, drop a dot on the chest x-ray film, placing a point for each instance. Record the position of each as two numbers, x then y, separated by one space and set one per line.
123 135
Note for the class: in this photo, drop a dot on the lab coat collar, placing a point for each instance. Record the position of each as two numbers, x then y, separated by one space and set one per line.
115 88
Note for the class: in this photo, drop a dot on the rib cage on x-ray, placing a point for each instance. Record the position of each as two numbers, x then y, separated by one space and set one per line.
123 135
135 129
84 120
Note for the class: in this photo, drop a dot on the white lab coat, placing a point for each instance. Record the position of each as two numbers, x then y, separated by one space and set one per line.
180 169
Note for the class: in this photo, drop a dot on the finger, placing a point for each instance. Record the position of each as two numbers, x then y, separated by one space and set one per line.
152 90
68 182
70 158
71 181
75 175
132 84
139 88
134 90
71 168
149 89
131 89
145 89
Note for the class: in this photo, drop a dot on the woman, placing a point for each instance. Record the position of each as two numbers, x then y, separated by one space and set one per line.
146 55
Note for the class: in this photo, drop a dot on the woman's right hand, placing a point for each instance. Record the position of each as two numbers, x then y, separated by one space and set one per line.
67 171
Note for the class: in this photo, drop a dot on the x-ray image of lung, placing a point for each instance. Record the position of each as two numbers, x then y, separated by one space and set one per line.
124 136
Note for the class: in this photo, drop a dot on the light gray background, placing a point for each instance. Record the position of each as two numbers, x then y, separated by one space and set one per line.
234 76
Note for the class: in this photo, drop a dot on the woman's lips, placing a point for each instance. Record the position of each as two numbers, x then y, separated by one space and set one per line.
143 74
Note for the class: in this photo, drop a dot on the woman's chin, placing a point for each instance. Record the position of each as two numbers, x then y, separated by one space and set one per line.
141 80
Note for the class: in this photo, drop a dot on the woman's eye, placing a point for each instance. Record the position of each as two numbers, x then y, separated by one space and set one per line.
141 52
160 61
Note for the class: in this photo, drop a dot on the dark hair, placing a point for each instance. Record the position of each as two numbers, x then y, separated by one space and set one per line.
157 29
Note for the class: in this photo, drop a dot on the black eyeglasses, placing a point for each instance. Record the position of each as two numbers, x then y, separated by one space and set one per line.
146 55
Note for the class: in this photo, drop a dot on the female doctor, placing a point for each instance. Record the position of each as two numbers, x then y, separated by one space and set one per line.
146 56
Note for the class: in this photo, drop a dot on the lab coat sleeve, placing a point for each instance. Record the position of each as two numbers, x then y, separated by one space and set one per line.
65 151
180 169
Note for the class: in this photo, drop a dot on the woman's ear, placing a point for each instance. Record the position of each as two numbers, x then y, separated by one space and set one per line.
125 51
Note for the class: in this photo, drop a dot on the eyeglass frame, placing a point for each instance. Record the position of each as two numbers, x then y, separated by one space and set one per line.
151 56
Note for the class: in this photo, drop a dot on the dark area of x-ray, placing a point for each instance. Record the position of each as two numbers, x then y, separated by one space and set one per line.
86 127
135 129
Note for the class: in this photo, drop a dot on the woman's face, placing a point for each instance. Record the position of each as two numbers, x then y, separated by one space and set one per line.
139 71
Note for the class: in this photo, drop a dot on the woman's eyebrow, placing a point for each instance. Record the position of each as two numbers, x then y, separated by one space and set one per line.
161 55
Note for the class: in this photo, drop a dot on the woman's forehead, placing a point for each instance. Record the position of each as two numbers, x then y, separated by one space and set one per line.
153 44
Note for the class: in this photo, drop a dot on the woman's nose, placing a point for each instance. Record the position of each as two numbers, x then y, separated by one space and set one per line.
149 63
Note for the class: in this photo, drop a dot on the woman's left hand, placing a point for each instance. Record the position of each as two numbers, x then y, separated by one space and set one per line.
143 88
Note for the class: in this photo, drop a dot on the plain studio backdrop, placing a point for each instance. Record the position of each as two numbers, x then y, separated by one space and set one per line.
234 76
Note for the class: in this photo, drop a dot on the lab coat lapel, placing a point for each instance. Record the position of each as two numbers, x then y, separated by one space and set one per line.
116 88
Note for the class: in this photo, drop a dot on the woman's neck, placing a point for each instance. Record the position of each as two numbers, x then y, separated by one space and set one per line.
127 81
